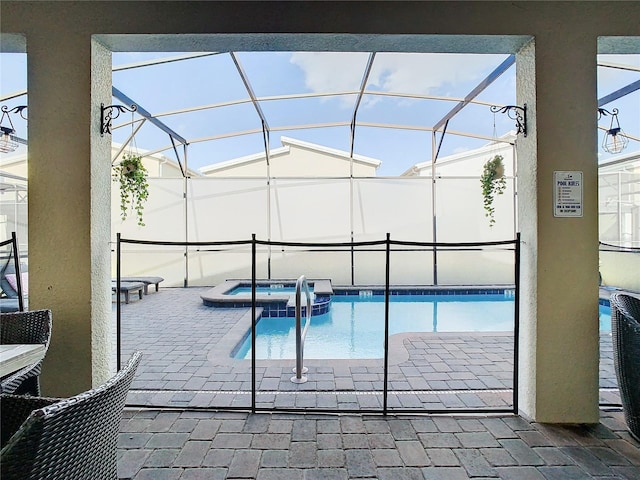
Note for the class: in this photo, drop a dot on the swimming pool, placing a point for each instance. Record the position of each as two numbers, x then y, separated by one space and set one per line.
604 312
354 326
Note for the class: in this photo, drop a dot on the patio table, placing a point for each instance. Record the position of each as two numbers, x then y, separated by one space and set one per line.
16 356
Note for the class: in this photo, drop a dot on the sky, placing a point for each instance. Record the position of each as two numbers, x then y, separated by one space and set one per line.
214 79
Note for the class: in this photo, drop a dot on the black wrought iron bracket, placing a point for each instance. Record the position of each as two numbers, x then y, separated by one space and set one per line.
517 113
604 112
19 109
109 112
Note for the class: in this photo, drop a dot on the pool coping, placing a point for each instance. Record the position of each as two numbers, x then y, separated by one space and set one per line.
219 296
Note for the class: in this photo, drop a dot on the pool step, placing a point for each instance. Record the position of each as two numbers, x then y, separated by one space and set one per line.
303 299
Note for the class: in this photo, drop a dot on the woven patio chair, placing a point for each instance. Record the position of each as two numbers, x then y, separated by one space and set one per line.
29 327
625 331
73 438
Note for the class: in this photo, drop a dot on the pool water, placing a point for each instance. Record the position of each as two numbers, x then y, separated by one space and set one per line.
275 289
604 312
354 326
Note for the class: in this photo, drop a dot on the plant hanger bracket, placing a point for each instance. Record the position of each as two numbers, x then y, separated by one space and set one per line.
109 112
514 112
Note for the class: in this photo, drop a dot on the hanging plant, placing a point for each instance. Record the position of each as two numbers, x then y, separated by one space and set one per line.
134 188
493 183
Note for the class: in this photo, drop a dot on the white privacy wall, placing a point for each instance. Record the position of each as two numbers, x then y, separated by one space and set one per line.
323 210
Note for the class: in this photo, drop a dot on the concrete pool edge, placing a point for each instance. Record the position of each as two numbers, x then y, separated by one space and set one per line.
219 296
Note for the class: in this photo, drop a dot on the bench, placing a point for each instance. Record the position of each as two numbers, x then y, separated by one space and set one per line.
127 288
146 280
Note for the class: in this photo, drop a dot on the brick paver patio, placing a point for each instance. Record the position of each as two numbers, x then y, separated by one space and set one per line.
228 445
187 362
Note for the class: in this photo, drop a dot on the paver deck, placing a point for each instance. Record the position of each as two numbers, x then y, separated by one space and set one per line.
187 362
231 445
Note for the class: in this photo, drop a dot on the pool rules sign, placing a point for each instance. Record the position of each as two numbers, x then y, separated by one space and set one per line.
567 194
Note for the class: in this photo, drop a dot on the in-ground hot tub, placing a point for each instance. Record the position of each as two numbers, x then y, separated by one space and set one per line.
275 297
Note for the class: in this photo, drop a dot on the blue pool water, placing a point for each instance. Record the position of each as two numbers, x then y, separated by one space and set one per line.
605 318
354 326
276 289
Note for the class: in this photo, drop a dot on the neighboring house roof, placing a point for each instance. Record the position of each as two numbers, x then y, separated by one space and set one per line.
16 161
161 159
12 160
287 143
503 142
629 162
240 161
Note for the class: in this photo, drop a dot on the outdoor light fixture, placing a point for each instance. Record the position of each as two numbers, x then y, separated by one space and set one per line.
614 140
8 143
514 112
109 112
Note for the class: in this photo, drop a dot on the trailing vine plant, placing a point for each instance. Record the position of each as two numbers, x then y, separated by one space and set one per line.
493 183
134 187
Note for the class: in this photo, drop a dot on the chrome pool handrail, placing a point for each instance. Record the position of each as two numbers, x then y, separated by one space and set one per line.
301 333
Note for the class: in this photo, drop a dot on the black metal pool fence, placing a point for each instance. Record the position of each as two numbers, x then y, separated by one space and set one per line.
383 245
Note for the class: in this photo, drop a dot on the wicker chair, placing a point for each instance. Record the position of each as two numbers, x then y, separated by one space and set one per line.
625 330
74 438
25 327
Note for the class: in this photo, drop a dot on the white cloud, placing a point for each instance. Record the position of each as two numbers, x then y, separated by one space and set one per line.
431 73
331 71
394 72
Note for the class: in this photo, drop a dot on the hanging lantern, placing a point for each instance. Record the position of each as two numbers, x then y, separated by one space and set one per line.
8 142
614 141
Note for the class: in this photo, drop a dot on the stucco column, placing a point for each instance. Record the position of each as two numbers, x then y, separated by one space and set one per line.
69 206
559 297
